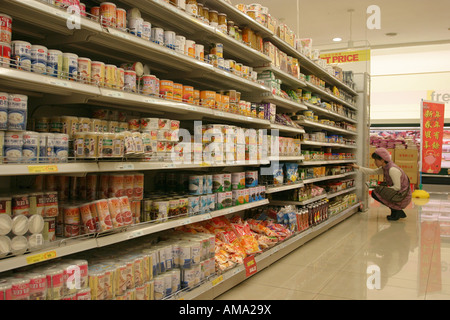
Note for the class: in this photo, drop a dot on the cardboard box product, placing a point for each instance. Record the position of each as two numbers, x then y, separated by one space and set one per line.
406 155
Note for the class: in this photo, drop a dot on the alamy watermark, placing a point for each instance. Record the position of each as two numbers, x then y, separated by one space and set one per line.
374 278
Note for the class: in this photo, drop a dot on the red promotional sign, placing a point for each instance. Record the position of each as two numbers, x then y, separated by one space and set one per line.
432 135
250 266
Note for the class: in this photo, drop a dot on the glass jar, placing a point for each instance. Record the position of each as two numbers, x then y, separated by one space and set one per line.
205 15
191 7
222 21
200 11
213 18
230 28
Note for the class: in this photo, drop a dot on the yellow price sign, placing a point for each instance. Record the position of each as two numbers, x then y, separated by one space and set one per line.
217 280
41 257
43 169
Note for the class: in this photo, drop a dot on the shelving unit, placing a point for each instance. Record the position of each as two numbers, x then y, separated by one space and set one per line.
38 20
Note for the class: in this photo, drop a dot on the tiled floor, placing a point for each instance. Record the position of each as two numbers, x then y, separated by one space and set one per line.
366 257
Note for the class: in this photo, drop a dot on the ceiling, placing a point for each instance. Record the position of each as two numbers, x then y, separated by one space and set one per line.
414 21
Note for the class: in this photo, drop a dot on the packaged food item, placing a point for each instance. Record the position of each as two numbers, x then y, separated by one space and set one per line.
291 173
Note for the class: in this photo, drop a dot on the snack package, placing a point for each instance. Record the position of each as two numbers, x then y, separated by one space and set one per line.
291 173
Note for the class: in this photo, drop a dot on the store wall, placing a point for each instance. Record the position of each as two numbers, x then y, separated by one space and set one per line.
402 77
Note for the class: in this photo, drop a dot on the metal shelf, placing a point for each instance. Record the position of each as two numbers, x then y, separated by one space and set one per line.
222 282
68 246
308 123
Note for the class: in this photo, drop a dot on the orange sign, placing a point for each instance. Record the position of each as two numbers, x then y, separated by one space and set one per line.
432 136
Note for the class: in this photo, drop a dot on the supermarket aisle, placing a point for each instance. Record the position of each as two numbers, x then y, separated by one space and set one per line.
365 257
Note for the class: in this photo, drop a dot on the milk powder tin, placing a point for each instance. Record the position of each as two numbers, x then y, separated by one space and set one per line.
84 70
180 44
158 36
169 39
70 66
5 54
54 63
135 25
30 146
13 146
108 14
110 76
38 56
17 112
130 81
5 28
4 97
21 55
121 19
98 73
146 30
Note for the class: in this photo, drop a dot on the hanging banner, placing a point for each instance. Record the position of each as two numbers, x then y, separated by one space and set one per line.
346 56
432 132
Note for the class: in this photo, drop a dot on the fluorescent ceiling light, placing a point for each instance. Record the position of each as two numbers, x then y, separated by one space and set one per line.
337 39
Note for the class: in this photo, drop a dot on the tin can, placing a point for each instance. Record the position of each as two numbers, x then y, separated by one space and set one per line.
177 92
199 52
70 66
110 76
100 207
98 73
95 13
5 54
120 78
38 56
149 85
51 204
20 289
146 30
217 49
115 212
158 36
126 210
121 19
108 14
13 146
190 48
97 284
135 26
19 224
30 146
61 147
180 44
5 28
21 55
130 81
54 63
85 69
169 39
166 89
188 94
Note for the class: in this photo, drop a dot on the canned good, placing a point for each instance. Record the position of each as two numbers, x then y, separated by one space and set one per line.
5 28
158 36
20 289
121 19
30 146
51 204
146 30
135 25
166 89
17 112
19 224
5 54
85 69
190 48
169 39
180 44
108 14
149 85
110 76
130 81
38 56
70 66
199 52
115 212
13 146
120 78
98 73
21 55
188 94
54 63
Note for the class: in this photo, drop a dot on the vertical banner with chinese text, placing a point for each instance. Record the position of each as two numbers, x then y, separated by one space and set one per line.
432 131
